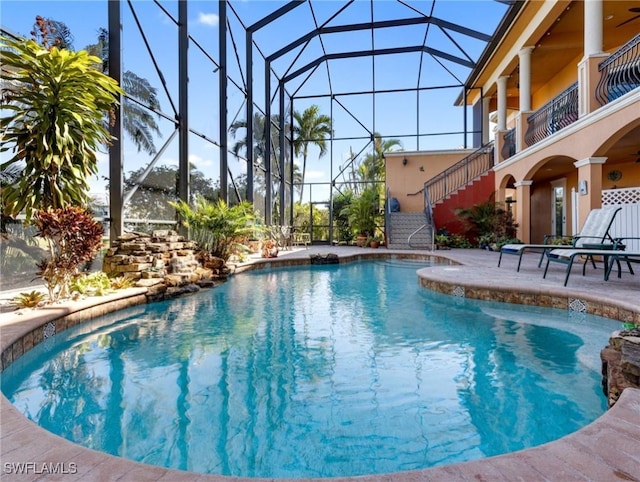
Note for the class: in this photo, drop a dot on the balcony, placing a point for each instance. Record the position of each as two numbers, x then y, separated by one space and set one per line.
557 114
619 75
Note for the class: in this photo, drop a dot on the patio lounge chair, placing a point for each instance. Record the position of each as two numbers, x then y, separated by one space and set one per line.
567 256
594 235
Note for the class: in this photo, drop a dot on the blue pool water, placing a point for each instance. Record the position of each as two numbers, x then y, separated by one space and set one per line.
316 372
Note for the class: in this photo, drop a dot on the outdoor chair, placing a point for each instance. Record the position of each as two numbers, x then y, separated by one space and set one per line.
594 235
285 237
616 255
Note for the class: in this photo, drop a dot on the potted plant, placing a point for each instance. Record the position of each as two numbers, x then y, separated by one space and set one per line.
362 214
442 241
269 248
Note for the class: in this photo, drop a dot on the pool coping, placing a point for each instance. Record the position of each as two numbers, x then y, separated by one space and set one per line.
607 449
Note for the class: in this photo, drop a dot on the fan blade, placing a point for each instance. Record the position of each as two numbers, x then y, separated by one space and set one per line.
627 21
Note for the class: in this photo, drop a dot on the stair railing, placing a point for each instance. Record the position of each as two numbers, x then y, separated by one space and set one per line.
387 221
460 174
428 211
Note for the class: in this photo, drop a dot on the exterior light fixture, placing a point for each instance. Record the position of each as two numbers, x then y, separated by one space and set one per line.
404 161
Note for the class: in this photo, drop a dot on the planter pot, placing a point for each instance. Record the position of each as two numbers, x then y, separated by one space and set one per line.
374 244
360 240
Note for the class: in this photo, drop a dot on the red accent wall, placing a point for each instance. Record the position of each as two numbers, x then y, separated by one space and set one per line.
479 191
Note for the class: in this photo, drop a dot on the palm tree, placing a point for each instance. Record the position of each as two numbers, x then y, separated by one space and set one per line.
51 33
372 167
259 134
260 146
312 128
137 121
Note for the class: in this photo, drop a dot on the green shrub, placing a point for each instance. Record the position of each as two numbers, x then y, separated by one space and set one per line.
93 284
489 223
215 226
29 300
122 282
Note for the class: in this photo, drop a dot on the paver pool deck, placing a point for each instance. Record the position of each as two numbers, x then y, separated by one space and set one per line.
606 450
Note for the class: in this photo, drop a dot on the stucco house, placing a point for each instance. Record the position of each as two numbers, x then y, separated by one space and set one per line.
561 82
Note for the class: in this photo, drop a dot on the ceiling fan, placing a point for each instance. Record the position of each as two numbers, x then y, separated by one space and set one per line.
632 10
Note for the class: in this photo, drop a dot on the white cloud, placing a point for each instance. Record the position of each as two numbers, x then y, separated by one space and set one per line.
313 175
199 161
210 19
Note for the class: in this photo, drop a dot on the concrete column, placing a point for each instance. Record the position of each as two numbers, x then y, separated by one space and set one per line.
588 73
486 129
502 103
589 186
523 210
593 27
525 78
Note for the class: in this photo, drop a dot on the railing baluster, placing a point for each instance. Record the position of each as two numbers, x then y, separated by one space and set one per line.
620 72
553 116
460 174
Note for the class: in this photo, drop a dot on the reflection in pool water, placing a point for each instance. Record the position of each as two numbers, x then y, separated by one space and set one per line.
317 371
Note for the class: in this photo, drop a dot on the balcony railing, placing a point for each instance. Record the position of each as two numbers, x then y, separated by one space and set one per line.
460 174
620 72
560 112
509 144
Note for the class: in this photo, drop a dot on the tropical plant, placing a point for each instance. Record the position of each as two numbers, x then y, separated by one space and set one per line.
310 127
259 145
91 284
55 105
121 282
73 237
488 222
372 167
215 226
341 217
29 299
51 33
363 212
259 134
138 120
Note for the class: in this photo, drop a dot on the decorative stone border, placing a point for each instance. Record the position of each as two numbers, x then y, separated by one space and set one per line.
523 296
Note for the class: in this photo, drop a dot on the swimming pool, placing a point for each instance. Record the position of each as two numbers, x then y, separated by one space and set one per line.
258 386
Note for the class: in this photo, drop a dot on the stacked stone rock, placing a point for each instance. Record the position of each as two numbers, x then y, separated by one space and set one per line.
621 363
163 262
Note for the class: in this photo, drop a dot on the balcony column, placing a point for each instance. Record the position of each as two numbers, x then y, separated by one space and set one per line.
486 130
501 124
524 56
593 27
588 74
589 186
523 210
524 85
502 102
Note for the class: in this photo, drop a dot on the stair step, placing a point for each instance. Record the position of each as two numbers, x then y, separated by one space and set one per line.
402 225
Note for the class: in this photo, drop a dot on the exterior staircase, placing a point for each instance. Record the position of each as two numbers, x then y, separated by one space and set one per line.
468 182
402 225
479 190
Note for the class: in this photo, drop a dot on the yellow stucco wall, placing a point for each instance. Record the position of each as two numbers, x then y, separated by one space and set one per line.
629 175
561 81
404 179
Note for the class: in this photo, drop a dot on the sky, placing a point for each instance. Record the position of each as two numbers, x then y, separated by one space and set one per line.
354 116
